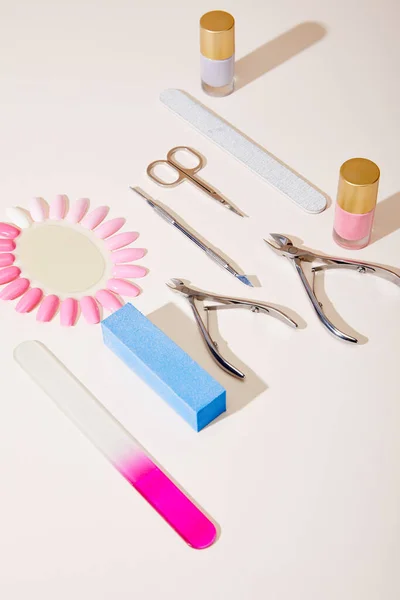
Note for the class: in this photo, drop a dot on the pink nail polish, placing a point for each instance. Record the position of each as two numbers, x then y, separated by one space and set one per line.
109 228
9 274
7 245
90 309
15 289
58 207
124 288
127 255
68 312
78 210
9 231
38 209
29 301
128 271
48 308
356 201
95 217
121 239
6 259
108 300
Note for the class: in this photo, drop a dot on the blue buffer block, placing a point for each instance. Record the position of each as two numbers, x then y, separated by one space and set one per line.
178 379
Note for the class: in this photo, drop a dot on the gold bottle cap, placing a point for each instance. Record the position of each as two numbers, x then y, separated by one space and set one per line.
217 35
358 185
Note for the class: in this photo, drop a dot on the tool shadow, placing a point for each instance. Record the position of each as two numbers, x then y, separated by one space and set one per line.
275 52
387 217
184 332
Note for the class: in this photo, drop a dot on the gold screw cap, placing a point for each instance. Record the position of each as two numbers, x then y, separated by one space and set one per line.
358 185
217 35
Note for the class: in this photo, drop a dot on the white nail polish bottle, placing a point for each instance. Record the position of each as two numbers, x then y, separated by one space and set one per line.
217 53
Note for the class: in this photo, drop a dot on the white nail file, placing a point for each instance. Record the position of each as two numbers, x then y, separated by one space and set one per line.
246 151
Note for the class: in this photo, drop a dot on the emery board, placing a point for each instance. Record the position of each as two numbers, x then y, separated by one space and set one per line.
258 160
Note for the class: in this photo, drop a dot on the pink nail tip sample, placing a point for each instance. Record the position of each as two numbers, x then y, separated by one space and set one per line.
109 228
29 301
78 210
48 308
6 259
121 239
127 255
128 271
38 209
95 217
9 231
124 288
9 274
68 312
15 289
90 309
108 300
58 207
7 245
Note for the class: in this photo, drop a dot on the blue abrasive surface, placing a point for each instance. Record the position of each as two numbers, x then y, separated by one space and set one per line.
164 366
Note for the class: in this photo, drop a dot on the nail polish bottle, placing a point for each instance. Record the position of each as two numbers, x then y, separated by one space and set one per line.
356 201
217 53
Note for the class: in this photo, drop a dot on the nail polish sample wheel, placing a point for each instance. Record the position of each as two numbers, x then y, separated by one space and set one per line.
68 260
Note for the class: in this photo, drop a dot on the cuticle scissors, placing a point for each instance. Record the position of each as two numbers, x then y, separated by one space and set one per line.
189 174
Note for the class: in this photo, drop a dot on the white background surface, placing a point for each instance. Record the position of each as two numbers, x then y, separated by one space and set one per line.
302 473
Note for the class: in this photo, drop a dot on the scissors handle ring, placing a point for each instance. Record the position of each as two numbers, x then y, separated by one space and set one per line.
150 172
189 170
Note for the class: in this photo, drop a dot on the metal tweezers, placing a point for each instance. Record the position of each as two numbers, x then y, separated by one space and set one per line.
223 302
283 246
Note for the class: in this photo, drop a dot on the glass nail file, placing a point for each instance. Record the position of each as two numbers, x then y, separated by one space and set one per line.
261 162
116 444
164 214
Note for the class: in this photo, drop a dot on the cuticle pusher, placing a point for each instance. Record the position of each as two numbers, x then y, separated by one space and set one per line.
175 223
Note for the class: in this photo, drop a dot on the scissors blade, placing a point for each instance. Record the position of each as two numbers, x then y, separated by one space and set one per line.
227 204
236 211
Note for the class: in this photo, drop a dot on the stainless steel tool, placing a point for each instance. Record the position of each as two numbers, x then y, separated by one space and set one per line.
189 174
284 246
222 302
167 216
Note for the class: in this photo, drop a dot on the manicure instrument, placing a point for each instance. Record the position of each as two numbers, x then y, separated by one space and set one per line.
222 302
117 445
172 221
189 174
249 153
283 246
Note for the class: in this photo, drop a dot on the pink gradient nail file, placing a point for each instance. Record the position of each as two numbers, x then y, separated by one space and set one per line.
121 449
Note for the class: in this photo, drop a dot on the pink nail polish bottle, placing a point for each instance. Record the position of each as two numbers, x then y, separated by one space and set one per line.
356 201
217 53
